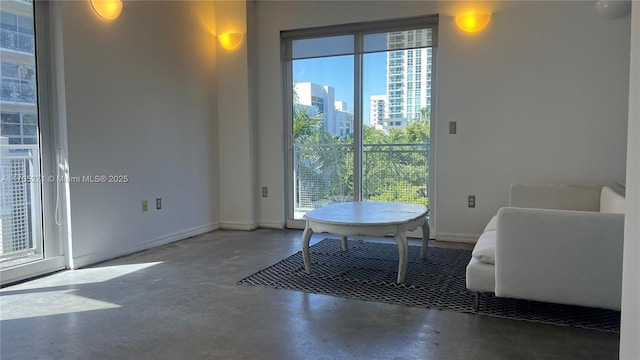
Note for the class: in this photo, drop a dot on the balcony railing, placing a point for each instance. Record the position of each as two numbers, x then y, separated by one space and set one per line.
18 92
323 174
14 40
19 202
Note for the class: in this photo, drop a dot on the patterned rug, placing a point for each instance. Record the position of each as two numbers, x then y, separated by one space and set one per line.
368 271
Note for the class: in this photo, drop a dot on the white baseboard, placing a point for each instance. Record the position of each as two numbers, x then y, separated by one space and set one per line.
271 225
238 226
463 238
93 258
32 269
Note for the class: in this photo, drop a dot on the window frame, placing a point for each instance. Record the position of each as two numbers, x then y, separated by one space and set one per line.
359 31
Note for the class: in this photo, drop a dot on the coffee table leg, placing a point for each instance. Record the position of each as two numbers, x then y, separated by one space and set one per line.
344 243
425 240
403 251
306 236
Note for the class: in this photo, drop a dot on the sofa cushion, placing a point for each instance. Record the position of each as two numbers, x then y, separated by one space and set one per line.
611 201
493 224
485 249
580 197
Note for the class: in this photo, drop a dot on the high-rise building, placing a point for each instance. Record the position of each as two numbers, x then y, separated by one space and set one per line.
18 119
408 80
320 99
408 74
378 110
18 129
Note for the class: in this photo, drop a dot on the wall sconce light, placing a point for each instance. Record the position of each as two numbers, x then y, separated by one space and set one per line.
473 21
230 40
107 9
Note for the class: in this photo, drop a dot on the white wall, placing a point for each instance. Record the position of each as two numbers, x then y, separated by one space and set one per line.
235 120
630 327
141 101
540 95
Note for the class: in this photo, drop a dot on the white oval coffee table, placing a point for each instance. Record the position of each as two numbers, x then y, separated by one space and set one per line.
368 218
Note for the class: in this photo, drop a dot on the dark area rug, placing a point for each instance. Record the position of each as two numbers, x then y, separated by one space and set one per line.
368 271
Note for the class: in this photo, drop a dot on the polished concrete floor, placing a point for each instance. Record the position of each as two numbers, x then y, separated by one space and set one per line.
181 301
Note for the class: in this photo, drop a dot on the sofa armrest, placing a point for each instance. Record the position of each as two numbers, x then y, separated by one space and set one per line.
568 257
583 197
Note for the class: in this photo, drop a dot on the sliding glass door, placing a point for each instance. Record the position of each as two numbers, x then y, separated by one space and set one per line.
27 188
359 114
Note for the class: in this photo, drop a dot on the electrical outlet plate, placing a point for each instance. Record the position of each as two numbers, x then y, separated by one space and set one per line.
265 191
145 206
453 127
471 201
158 203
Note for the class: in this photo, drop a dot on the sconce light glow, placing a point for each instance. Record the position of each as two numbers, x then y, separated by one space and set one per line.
107 9
230 40
473 21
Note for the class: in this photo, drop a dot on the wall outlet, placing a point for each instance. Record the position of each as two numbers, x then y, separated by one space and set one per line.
265 191
145 206
158 203
471 201
453 127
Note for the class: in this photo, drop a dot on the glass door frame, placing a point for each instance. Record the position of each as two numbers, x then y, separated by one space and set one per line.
359 30
53 229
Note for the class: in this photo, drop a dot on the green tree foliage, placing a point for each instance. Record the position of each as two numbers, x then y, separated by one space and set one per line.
395 164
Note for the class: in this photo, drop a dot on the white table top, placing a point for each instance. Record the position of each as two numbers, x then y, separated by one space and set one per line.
367 213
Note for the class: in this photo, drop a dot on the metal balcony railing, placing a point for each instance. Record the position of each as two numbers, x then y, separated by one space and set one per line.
323 174
20 188
17 41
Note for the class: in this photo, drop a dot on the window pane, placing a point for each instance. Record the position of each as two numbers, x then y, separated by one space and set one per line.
27 73
323 132
8 21
10 70
395 160
30 119
10 89
27 93
10 118
10 129
22 241
25 25
30 130
326 46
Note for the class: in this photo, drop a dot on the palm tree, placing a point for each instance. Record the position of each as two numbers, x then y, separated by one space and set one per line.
304 124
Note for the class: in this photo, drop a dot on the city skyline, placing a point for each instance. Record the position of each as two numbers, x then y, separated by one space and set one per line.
396 84
337 72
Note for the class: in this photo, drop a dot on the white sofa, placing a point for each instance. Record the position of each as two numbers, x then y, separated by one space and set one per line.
555 243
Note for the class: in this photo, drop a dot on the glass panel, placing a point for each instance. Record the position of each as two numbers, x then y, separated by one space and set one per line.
322 132
10 118
25 25
29 119
10 129
8 21
9 70
396 116
20 192
31 130
325 46
10 89
25 43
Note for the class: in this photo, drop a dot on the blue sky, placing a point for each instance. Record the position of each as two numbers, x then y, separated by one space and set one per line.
337 72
